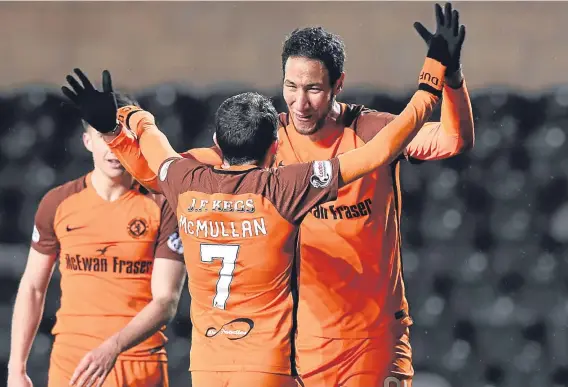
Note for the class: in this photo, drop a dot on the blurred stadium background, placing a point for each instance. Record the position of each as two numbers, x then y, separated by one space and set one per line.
484 234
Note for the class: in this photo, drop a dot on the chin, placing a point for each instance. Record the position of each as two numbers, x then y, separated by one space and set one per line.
307 130
114 173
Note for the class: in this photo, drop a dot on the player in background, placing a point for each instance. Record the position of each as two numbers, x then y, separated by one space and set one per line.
245 217
118 251
360 316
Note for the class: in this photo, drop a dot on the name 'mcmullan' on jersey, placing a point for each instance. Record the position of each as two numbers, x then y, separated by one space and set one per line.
238 227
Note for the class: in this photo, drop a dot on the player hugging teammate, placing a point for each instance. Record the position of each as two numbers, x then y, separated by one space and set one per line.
275 185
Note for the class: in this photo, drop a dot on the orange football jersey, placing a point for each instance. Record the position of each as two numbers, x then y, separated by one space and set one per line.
350 278
106 252
359 286
238 227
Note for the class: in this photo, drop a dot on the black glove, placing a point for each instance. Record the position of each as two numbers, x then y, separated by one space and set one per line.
98 108
448 27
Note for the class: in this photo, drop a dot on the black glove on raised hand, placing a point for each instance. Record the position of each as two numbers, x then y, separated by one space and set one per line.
448 27
98 108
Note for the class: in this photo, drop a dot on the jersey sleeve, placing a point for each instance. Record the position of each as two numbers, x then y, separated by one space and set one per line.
300 187
209 156
435 140
127 150
168 244
175 177
44 239
449 137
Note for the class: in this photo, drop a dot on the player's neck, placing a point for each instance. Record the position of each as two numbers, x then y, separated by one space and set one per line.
238 167
110 189
266 163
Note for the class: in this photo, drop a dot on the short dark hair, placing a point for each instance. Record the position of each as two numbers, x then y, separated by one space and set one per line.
319 44
245 127
122 100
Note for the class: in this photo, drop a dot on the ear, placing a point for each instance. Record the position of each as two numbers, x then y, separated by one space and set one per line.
274 146
87 140
339 84
270 158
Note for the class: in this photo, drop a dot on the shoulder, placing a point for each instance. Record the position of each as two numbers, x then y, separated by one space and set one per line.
366 122
157 199
209 156
58 194
180 165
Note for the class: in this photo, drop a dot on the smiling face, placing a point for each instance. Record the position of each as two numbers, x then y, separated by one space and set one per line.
308 93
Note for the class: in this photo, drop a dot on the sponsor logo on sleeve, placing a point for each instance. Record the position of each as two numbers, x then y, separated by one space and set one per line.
174 243
322 172
164 169
35 234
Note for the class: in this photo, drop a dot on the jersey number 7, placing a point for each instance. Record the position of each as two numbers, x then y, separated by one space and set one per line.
228 255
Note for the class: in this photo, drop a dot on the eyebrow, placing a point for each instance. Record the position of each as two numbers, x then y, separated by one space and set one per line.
308 85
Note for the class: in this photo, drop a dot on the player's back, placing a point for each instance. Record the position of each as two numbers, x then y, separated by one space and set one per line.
106 253
239 229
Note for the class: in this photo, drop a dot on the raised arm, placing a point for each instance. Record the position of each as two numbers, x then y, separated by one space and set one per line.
154 144
451 136
100 110
454 134
125 146
389 143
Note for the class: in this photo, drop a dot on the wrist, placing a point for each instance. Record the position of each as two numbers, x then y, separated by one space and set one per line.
432 77
124 113
109 136
455 79
114 343
17 368
133 118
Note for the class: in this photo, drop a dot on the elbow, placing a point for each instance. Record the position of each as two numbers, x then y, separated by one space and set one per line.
169 307
467 137
465 144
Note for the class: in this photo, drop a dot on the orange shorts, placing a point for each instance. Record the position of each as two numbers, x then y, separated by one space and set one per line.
374 362
132 373
241 379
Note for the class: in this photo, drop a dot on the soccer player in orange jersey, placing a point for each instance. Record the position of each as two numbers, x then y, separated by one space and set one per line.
121 278
353 316
239 222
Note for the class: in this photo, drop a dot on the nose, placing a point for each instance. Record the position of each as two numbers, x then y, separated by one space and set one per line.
302 101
